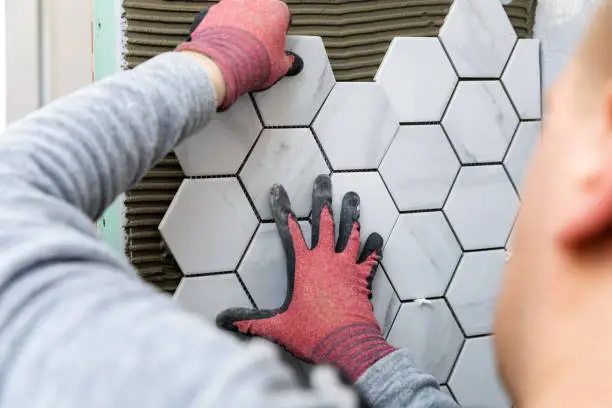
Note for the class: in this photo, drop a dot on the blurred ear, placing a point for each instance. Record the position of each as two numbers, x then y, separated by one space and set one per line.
591 216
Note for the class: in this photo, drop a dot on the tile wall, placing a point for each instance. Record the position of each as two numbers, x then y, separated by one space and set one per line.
436 147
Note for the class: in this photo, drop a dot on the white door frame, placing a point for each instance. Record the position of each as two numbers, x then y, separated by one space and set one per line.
48 52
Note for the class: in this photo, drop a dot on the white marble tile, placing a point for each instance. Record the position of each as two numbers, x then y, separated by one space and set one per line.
480 121
385 301
418 78
356 125
482 206
420 167
208 225
473 292
221 147
290 157
474 381
421 255
521 149
378 213
294 101
430 334
522 78
207 296
264 266
478 38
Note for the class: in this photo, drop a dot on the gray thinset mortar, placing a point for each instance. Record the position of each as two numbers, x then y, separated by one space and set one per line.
356 34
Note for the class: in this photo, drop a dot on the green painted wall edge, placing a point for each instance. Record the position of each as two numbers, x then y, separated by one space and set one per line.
106 29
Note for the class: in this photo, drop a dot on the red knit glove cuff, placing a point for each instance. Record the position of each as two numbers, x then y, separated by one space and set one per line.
241 58
353 349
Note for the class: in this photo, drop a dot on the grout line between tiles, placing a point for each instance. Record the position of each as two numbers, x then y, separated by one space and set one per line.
318 142
470 251
457 321
457 357
516 41
355 171
249 199
450 190
423 211
452 278
482 164
453 230
478 336
246 290
429 123
248 155
448 56
205 274
514 186
389 193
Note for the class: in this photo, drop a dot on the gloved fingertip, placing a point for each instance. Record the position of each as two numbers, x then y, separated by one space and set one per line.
295 62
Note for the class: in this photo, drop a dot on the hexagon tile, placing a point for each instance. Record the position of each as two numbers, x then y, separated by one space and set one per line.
431 335
480 121
420 168
474 381
356 125
220 148
290 157
201 295
378 213
312 87
208 225
478 37
436 147
482 206
418 78
421 255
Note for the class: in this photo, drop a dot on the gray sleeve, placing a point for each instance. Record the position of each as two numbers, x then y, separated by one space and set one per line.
77 326
395 381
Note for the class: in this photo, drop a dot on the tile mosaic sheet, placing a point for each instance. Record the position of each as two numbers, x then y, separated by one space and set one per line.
436 147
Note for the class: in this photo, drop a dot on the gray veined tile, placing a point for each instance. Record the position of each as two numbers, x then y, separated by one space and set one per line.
207 296
473 292
221 147
420 168
356 125
421 255
430 334
521 149
480 121
478 38
208 225
522 78
264 266
385 301
290 157
378 213
418 78
294 101
482 206
474 381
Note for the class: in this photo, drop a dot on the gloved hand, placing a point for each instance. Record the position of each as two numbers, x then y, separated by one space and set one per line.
246 39
327 316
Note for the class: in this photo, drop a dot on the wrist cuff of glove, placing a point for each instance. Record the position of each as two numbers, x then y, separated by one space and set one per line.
353 349
241 58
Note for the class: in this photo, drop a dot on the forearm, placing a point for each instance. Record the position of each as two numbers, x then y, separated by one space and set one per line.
395 381
91 146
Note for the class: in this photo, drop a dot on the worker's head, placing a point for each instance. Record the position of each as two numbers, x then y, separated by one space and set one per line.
562 243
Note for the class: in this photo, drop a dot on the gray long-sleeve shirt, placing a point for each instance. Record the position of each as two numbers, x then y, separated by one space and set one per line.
78 328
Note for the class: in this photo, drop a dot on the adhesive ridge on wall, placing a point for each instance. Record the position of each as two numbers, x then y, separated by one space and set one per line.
356 35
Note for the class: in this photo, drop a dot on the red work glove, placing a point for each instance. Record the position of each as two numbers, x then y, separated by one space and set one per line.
246 39
327 316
